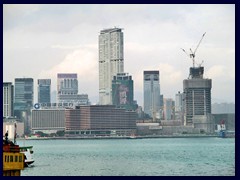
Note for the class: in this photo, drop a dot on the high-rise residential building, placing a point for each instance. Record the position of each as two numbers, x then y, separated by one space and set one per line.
179 106
151 91
44 90
122 91
7 99
23 101
67 90
197 95
169 111
111 61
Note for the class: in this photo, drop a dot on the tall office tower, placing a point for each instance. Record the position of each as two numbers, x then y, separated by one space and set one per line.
67 85
23 101
111 61
197 95
7 99
151 91
44 90
67 90
122 91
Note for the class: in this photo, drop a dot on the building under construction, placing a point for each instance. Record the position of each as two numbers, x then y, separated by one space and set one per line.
197 92
197 95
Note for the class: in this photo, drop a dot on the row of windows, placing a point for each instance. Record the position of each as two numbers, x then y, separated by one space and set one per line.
11 158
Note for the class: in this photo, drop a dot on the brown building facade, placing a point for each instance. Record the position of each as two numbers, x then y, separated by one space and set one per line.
99 120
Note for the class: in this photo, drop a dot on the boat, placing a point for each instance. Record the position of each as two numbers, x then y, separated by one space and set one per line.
28 155
13 159
26 150
133 136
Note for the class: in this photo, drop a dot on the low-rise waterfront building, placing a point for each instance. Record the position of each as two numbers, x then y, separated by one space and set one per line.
48 120
10 127
99 120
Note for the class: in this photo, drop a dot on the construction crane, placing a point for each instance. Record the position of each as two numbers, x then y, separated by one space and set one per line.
193 53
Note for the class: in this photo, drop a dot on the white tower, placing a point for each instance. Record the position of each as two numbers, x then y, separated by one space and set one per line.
111 61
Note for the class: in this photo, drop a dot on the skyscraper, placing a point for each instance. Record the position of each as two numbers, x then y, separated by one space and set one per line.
67 85
111 61
122 91
179 106
23 101
7 99
44 90
23 95
151 91
168 109
197 95
67 90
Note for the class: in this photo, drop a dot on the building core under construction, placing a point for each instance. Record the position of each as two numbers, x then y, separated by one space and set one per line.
197 92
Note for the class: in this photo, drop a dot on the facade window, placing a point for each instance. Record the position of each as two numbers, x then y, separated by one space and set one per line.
20 158
16 158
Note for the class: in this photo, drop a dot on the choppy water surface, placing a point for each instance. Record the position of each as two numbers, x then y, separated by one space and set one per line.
133 157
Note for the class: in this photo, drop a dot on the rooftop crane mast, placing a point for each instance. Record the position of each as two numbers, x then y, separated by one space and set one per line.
192 53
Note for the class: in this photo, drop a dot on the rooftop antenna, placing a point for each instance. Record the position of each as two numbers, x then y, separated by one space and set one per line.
193 53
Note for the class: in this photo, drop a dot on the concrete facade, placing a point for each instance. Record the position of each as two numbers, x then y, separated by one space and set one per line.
8 94
99 120
168 109
165 128
179 107
48 120
67 90
197 92
111 61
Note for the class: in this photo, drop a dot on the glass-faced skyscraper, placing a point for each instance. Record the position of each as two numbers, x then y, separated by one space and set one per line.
44 90
122 91
23 101
151 91
111 61
23 95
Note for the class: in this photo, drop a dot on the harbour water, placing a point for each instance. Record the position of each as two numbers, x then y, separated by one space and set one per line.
133 157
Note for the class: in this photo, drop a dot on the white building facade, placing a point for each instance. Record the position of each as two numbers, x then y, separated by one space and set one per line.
7 99
111 61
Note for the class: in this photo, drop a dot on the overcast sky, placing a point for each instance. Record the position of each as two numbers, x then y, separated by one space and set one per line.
40 41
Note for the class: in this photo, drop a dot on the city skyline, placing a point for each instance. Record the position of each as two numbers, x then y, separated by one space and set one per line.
55 39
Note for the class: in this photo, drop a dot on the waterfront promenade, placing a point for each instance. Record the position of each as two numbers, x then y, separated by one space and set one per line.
123 137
